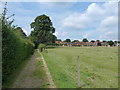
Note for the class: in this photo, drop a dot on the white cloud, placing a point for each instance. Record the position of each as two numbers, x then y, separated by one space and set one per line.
64 33
76 21
58 0
109 35
101 17
85 36
76 39
39 0
95 11
97 21
109 21
50 5
109 24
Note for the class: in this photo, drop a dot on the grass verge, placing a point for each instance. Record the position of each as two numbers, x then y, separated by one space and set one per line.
40 72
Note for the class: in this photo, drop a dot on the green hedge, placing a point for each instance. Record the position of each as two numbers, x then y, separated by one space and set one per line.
50 46
42 47
15 50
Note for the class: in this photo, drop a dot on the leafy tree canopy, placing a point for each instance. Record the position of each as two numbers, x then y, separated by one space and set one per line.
110 42
98 40
104 41
75 41
92 41
42 30
59 40
67 40
85 40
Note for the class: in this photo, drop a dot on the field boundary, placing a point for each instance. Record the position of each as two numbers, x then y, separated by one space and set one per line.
49 77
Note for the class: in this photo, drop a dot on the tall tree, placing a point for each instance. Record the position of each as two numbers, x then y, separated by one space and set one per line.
92 41
104 41
111 43
115 41
59 40
97 40
68 40
85 40
75 41
42 30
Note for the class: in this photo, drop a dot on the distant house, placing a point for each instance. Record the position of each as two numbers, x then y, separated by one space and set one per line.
116 44
99 44
81 43
60 42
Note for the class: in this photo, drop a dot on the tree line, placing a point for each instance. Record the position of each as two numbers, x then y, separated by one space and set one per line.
86 40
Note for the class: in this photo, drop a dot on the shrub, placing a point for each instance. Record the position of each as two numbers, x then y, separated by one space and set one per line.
42 47
50 46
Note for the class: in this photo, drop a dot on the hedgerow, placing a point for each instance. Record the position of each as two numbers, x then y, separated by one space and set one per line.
16 47
15 50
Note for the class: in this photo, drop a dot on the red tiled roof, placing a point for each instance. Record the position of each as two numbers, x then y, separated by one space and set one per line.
78 43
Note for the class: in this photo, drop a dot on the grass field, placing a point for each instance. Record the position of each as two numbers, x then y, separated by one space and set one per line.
98 66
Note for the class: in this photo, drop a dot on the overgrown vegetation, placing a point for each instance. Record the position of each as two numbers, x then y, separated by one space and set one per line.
16 48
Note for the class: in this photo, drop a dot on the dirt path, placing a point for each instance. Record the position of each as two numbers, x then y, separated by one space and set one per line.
49 77
27 78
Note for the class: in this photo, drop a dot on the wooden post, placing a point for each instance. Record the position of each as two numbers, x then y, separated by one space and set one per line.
78 61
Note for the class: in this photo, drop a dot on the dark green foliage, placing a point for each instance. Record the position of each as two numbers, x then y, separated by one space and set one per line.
98 40
67 40
85 40
115 41
42 47
58 40
92 41
42 31
75 41
110 42
50 46
15 48
104 41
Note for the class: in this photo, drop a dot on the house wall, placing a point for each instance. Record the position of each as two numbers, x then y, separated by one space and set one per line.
83 43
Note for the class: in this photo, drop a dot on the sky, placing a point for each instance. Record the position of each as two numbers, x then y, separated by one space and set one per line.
73 20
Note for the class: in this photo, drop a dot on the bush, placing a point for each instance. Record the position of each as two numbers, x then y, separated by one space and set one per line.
42 47
50 46
15 50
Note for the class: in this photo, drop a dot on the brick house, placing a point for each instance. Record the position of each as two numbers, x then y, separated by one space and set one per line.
60 42
81 43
